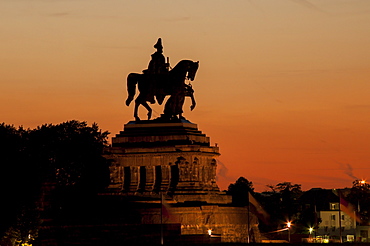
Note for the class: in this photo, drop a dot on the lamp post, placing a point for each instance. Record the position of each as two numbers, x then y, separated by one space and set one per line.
288 225
310 230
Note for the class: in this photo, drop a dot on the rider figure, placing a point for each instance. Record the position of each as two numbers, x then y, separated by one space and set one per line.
157 64
156 68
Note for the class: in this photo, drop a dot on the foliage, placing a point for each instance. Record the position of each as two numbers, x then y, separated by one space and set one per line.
282 203
15 174
68 155
360 196
285 187
239 191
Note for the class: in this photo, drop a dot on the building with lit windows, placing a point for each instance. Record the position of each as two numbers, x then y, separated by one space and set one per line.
336 223
331 223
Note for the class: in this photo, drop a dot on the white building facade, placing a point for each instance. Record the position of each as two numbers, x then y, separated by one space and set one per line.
336 223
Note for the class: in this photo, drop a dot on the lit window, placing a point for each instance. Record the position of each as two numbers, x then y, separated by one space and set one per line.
334 206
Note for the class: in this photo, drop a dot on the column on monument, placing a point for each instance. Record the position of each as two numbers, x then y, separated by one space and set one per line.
165 173
115 172
183 169
142 179
174 176
149 175
126 179
195 173
195 170
157 179
205 177
213 174
201 175
209 175
134 178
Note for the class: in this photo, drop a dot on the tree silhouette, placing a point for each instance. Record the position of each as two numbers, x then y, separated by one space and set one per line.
14 182
239 191
67 155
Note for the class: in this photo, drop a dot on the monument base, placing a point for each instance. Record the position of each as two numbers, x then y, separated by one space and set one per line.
174 160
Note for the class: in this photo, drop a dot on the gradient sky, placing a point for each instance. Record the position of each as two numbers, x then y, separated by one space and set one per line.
282 88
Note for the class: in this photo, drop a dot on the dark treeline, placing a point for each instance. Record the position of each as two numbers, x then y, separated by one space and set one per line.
66 156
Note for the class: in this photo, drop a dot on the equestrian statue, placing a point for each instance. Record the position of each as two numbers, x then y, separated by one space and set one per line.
158 81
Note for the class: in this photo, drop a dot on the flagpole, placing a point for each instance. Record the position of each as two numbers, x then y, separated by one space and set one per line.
162 219
358 212
316 220
249 209
340 219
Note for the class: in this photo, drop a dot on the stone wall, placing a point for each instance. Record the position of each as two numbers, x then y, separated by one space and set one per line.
227 222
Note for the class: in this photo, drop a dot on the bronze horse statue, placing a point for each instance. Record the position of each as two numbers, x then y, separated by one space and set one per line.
161 85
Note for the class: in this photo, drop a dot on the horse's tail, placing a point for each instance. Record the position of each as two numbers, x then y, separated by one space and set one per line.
131 87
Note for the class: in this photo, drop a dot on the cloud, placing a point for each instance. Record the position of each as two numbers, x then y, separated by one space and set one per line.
347 168
222 171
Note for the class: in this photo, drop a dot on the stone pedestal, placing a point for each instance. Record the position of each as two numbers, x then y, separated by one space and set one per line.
172 158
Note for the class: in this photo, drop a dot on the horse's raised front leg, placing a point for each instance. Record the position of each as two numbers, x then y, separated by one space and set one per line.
146 105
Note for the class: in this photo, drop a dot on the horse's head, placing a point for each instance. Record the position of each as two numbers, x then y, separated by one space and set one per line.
192 70
185 68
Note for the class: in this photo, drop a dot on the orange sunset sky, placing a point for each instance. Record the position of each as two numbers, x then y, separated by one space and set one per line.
282 88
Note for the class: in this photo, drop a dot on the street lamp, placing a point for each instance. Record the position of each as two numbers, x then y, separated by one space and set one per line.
310 230
288 224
